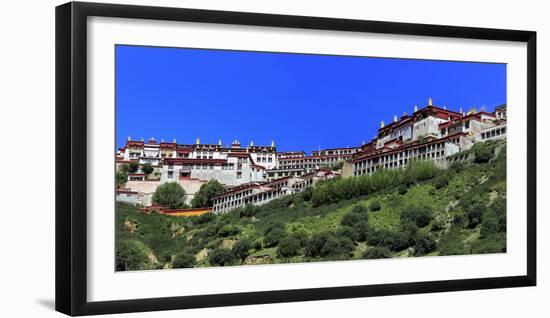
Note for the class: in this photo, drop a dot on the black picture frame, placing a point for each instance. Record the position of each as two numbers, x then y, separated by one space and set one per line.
71 157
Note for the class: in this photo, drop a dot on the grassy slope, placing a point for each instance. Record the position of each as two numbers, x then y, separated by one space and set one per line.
167 236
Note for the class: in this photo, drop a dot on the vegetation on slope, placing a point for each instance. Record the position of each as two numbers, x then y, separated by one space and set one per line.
416 211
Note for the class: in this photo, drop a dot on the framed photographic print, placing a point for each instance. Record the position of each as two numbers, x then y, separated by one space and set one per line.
209 158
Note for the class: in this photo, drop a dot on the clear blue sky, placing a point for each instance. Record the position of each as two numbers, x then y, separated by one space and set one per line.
301 101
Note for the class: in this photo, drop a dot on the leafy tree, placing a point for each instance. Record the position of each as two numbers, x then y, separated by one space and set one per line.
498 206
321 195
346 246
241 248
221 256
456 166
171 195
337 166
377 252
257 245
490 225
228 230
249 210
349 232
410 230
328 245
205 218
147 169
359 208
451 243
207 191
424 245
131 255
352 218
288 247
419 215
133 167
375 205
482 153
396 241
184 260
273 237
123 168
120 179
418 171
358 214
441 181
474 213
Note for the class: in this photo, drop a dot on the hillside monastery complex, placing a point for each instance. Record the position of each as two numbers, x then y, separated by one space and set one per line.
256 174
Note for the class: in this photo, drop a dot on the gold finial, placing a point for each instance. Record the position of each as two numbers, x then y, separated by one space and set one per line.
129 138
430 101
394 118
198 141
415 108
382 124
174 140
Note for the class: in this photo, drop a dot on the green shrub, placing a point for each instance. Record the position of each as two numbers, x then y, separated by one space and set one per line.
441 181
419 215
396 241
451 243
184 260
249 210
418 171
257 245
474 213
273 237
457 166
482 153
375 206
221 256
359 209
228 230
424 245
205 218
492 244
241 249
328 245
410 230
353 218
349 232
131 255
288 247
377 252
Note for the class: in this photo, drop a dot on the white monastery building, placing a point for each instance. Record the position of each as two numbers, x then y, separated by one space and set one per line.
257 174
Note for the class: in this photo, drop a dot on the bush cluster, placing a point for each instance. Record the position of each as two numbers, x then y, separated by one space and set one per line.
338 189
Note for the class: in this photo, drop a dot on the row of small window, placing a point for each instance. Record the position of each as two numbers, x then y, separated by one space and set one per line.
264 159
493 133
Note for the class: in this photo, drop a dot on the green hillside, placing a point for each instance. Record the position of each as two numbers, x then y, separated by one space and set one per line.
420 210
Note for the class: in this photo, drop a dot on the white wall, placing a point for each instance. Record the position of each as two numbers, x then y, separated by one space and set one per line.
27 81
